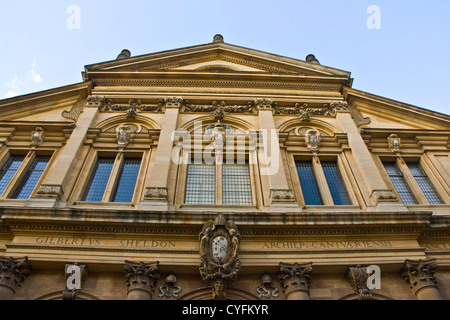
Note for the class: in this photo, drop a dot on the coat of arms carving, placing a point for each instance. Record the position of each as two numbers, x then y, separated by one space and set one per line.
219 248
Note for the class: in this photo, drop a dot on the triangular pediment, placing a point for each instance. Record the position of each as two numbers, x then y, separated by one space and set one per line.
217 58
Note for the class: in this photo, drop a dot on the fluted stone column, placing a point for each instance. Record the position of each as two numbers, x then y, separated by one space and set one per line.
295 280
420 276
141 279
12 274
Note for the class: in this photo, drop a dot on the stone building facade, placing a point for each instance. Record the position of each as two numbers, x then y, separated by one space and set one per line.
221 172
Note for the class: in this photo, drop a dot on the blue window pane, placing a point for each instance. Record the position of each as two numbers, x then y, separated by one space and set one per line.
424 183
399 183
308 183
335 183
201 184
31 178
9 170
236 188
99 179
127 180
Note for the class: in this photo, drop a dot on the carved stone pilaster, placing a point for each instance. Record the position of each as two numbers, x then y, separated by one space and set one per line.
12 274
420 276
295 280
141 279
282 195
358 277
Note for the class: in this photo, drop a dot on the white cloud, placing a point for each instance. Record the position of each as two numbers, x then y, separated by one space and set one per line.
36 77
16 86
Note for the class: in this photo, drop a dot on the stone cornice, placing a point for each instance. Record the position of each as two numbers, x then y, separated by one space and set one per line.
255 224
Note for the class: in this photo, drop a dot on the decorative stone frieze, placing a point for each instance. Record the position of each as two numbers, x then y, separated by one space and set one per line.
141 279
13 272
295 280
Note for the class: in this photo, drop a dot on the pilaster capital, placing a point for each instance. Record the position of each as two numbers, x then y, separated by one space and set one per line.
75 276
141 276
295 277
95 102
172 102
420 274
284 195
265 104
13 272
339 107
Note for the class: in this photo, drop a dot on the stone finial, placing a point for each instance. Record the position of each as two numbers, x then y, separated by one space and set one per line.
218 38
125 54
312 59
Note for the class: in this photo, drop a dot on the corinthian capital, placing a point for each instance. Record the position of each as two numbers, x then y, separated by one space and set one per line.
141 276
420 274
295 277
13 272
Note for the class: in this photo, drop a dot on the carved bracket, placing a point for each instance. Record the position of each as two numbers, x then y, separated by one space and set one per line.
75 276
50 191
358 277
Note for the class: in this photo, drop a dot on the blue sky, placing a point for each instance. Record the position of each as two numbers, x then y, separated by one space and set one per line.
408 59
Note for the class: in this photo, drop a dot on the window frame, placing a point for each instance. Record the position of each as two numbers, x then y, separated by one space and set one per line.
87 171
321 181
22 170
402 163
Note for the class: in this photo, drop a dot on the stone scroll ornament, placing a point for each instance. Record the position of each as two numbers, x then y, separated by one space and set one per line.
219 249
